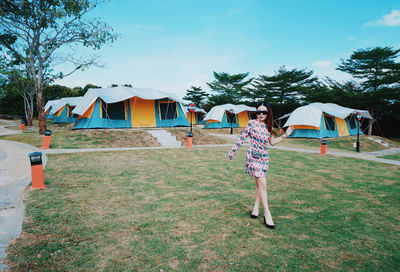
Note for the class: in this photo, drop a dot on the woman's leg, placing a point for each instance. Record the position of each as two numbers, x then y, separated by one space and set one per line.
257 203
262 191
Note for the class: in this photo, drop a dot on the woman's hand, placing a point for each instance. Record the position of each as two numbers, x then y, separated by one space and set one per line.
289 131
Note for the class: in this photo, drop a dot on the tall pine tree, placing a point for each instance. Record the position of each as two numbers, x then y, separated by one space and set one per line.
196 95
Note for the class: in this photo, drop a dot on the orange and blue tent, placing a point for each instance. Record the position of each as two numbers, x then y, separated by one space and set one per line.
127 107
220 117
62 110
319 120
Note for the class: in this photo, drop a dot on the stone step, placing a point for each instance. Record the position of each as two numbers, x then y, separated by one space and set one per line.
164 138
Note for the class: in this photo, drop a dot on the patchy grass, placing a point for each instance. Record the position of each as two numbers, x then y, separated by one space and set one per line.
337 144
189 210
200 136
64 137
392 157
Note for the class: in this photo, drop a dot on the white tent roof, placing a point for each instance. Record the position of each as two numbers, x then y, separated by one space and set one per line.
117 94
217 112
50 103
311 114
72 101
196 110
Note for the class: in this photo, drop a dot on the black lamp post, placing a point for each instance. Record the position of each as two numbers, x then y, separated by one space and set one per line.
358 132
231 111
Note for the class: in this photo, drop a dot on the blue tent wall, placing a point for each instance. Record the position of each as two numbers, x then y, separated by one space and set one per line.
224 123
49 116
354 130
98 121
63 117
181 119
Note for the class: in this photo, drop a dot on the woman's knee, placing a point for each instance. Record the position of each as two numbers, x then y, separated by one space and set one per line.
261 182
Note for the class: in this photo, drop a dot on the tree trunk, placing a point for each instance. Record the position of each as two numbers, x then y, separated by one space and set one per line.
41 117
370 127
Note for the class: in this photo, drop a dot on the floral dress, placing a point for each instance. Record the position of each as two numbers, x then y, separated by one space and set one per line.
257 158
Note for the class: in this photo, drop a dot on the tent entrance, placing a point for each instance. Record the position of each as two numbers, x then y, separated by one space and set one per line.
114 111
142 112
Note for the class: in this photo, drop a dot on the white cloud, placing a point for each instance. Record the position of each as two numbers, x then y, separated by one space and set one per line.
322 63
392 19
352 37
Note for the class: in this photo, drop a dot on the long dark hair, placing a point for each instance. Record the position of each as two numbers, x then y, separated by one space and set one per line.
269 121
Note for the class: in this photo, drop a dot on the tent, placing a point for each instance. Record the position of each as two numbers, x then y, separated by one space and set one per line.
318 120
62 110
219 116
197 116
126 107
48 107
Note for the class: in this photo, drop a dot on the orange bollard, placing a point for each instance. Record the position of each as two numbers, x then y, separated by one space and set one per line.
46 139
189 140
22 125
324 147
37 170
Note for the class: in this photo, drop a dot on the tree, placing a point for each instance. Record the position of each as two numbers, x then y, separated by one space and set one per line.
286 86
230 88
377 67
196 95
379 70
15 77
36 30
284 90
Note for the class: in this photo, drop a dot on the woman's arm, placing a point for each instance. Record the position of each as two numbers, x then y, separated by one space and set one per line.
275 141
238 144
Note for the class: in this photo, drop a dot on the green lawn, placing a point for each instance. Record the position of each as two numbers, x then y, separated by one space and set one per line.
392 157
189 210
336 144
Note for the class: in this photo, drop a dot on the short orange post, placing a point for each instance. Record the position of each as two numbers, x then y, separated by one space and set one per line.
324 147
37 170
22 125
46 139
189 140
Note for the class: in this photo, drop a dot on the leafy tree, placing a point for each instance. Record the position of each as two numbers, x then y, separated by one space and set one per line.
379 71
196 95
377 67
90 86
35 31
17 79
230 88
286 86
284 90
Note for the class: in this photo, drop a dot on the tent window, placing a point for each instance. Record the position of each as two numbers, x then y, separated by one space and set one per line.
200 117
114 111
352 122
168 110
330 123
230 117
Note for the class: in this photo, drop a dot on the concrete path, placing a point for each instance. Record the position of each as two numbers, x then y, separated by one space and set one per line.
390 151
5 131
15 175
164 138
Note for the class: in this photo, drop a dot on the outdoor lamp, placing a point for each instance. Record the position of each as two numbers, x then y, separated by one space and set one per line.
46 139
37 170
324 146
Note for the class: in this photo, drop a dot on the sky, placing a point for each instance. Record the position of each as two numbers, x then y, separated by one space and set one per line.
172 45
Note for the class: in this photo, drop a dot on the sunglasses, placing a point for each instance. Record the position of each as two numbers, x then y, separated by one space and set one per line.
262 112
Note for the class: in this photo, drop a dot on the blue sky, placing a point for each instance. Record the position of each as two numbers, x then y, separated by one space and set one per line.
171 45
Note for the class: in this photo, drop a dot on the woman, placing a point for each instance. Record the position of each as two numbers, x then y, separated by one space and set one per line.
257 159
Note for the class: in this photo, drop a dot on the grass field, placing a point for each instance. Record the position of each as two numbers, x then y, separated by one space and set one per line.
189 210
392 157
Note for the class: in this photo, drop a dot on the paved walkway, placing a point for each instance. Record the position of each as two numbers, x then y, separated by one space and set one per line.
5 131
15 175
